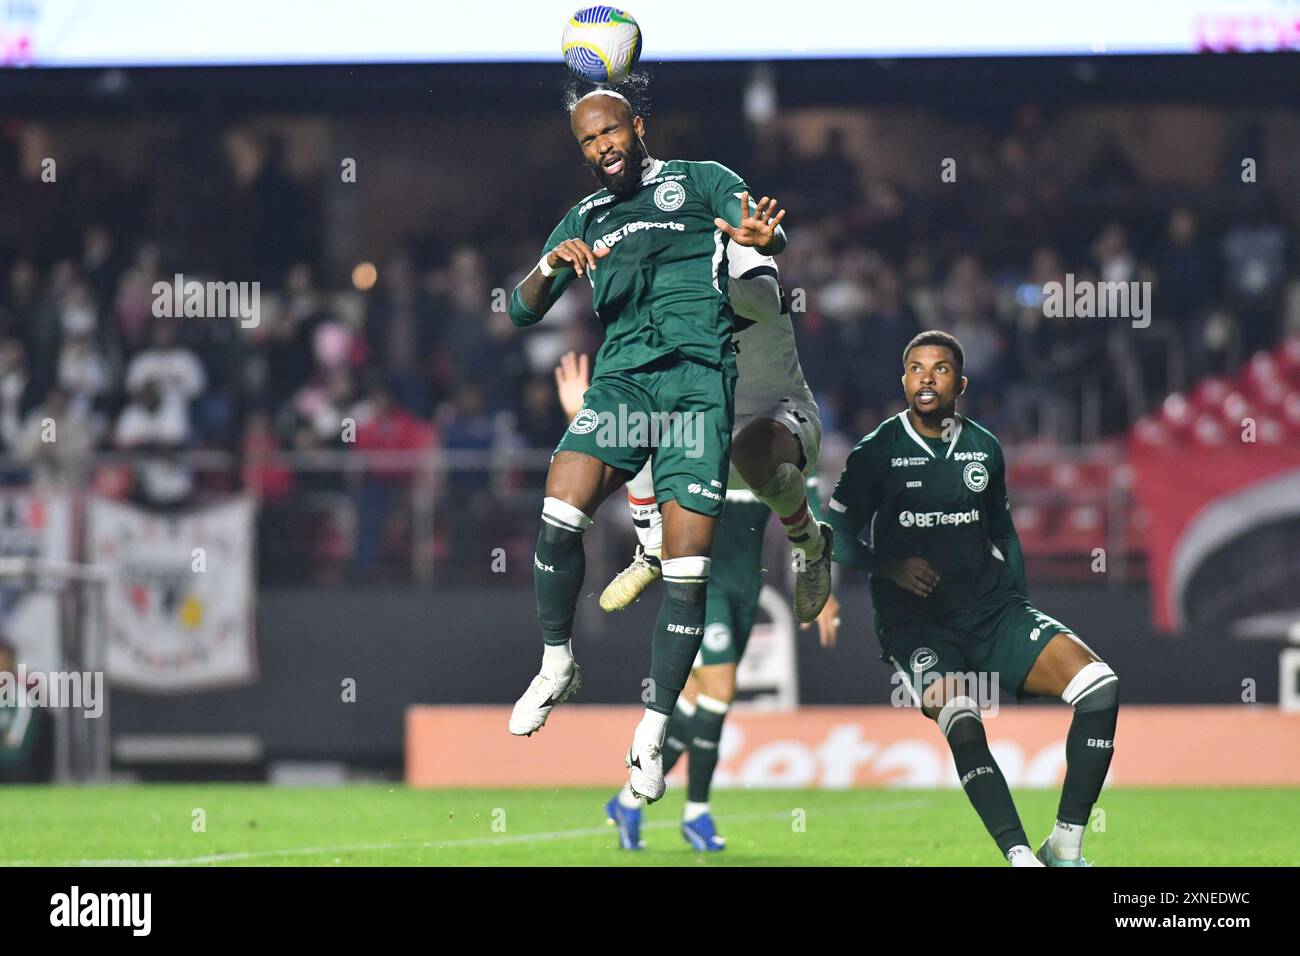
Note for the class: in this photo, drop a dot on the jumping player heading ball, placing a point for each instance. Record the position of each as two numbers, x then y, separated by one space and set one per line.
653 244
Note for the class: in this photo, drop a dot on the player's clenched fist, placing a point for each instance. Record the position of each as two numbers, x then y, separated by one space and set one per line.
913 574
575 254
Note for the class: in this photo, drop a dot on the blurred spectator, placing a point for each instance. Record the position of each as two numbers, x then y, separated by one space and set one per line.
14 391
830 180
321 405
134 301
1254 258
1186 281
156 426
86 377
56 440
400 326
98 264
384 427
19 304
468 427
173 368
291 357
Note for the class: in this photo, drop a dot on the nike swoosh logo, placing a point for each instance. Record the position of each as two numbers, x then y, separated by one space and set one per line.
636 762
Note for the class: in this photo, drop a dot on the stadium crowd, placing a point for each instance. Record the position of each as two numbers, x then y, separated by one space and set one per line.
425 356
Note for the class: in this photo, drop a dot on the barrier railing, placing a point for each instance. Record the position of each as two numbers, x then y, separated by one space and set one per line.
392 517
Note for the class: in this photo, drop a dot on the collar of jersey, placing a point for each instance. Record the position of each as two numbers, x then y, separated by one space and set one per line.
952 443
656 167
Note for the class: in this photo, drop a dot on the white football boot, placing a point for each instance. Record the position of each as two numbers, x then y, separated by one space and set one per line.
546 690
645 763
631 581
812 585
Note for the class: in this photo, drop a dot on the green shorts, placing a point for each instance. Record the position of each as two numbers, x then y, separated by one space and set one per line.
1005 641
677 412
735 581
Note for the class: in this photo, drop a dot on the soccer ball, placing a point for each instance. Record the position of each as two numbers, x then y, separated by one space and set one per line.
602 44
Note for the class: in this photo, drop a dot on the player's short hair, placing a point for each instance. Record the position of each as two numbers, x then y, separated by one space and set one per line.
573 104
941 339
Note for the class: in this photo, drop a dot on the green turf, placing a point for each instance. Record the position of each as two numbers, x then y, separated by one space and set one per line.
380 825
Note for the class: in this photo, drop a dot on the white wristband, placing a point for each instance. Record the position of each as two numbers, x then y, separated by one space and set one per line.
546 269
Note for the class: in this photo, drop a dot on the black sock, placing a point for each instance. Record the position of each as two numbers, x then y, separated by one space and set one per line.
982 779
706 731
558 569
1088 748
677 738
678 631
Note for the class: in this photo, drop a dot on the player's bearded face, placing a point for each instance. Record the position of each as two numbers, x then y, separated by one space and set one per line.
619 167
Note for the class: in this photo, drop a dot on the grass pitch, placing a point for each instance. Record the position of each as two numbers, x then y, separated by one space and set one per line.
391 825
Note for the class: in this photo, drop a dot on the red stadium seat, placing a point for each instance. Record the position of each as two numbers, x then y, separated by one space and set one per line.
1291 410
1176 409
1152 431
1208 430
1031 526
1270 431
1288 358
1235 408
1269 393
1083 528
1211 392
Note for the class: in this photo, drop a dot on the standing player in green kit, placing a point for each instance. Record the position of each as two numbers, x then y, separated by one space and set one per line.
652 243
948 588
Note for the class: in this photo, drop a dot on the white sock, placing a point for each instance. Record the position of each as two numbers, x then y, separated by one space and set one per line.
629 800
1067 841
645 509
557 659
1022 856
653 724
650 535
694 811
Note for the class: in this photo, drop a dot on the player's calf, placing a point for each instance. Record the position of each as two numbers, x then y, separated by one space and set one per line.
676 642
705 736
559 565
960 722
1094 694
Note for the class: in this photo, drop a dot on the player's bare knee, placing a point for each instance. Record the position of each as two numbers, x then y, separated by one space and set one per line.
581 481
686 533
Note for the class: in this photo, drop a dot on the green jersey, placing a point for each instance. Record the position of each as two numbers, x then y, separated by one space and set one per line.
944 501
663 286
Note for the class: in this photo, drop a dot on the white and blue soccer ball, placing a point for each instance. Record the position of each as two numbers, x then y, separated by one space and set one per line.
602 44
